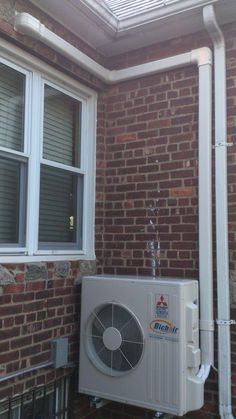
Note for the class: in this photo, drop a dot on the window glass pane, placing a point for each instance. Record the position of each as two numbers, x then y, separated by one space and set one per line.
12 201
12 87
60 213
61 132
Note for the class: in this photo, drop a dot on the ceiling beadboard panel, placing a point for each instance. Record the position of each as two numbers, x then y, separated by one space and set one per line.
123 9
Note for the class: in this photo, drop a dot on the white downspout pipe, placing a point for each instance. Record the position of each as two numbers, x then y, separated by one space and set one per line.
201 57
205 217
223 299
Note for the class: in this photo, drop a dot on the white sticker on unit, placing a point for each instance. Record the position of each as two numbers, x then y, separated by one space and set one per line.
163 329
162 306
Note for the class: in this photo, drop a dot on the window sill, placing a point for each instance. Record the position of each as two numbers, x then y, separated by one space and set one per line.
45 258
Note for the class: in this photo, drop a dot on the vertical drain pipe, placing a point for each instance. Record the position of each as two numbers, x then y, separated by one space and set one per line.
224 322
205 217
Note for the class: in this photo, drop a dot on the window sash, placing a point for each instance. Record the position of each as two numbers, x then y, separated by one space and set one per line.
61 127
13 208
72 169
48 209
12 107
16 155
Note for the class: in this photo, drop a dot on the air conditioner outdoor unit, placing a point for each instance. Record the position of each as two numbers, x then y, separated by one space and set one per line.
140 342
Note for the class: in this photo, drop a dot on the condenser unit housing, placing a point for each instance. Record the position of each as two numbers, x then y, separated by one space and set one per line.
139 342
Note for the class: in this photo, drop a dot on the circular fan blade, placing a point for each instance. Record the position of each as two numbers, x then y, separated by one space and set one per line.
104 316
131 331
132 352
121 317
110 322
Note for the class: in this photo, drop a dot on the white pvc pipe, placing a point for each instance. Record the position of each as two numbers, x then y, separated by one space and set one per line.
29 25
223 296
205 214
152 67
202 57
204 372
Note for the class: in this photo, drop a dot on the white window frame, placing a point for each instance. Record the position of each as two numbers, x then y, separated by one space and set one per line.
37 75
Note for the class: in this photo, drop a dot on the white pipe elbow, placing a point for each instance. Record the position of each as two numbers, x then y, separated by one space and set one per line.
201 56
204 372
28 25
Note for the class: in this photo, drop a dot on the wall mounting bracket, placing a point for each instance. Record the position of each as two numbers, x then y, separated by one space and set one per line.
225 322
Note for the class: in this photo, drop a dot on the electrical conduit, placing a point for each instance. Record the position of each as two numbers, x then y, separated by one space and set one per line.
223 297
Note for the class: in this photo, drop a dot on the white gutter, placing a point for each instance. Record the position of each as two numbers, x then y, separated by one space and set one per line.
201 57
223 301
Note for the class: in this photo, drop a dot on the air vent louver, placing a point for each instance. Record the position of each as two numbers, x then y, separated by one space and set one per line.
114 339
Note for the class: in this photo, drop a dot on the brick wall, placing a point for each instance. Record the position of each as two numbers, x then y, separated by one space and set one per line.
150 188
151 174
146 171
38 302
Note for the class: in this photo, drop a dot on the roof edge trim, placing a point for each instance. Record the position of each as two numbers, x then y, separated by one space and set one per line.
118 26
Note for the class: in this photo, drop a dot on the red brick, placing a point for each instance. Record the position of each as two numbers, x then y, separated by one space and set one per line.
35 286
30 350
13 288
10 310
42 295
51 323
9 333
34 306
31 317
40 358
4 347
21 342
19 319
125 137
8 357
52 302
22 297
39 337
137 127
5 299
20 277
181 192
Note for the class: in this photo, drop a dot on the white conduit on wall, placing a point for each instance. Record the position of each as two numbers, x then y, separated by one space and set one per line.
222 254
28 25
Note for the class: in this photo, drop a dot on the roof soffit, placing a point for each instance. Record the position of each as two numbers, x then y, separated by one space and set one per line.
95 23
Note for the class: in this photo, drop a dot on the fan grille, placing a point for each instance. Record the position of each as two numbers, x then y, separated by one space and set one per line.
114 326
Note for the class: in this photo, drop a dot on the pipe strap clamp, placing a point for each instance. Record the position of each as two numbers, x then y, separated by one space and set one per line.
225 322
223 144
